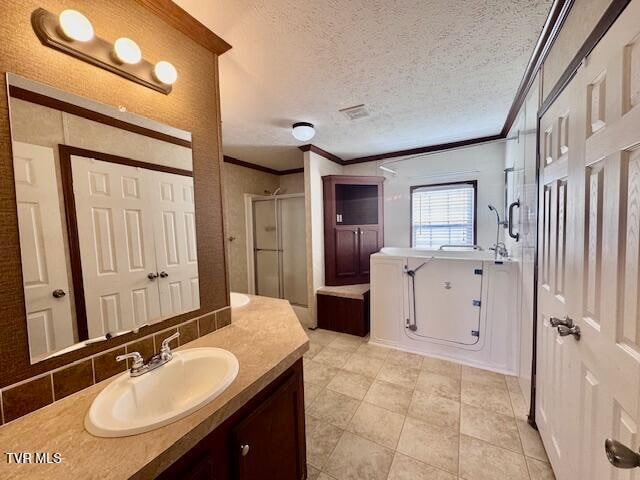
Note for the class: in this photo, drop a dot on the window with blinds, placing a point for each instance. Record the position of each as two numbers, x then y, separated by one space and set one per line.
443 215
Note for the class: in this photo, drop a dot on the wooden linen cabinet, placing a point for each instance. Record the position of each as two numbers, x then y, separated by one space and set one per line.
353 227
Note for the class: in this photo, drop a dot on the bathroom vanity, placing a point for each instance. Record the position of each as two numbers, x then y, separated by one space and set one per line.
255 425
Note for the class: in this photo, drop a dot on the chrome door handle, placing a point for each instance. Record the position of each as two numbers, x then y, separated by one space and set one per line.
619 455
244 450
565 331
152 276
58 293
556 322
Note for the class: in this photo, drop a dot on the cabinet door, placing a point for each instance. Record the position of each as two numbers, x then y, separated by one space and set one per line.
267 443
369 242
346 252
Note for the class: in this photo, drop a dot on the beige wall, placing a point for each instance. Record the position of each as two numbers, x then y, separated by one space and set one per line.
315 167
237 181
292 183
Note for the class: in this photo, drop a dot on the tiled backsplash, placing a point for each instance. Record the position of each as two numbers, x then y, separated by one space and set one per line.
37 392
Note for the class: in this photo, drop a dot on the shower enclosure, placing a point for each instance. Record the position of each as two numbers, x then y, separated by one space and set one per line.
276 247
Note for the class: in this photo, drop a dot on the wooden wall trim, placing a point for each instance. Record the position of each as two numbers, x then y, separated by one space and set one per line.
50 102
557 16
610 15
329 156
261 168
425 149
179 19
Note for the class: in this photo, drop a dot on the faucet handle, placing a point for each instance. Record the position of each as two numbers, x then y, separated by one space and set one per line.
138 361
165 348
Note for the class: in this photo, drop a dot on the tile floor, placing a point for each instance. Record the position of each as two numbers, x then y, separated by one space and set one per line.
375 413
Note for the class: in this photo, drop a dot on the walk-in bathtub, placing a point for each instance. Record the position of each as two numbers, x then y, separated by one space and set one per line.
453 304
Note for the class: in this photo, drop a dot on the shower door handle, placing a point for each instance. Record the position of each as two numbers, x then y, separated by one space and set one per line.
516 236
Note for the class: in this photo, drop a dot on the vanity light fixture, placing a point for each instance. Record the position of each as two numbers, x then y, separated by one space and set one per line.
72 33
75 26
165 72
303 131
127 51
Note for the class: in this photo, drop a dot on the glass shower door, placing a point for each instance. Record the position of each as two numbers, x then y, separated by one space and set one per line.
266 248
294 250
280 248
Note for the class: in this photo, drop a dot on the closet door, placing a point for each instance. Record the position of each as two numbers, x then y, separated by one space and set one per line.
115 233
173 212
44 268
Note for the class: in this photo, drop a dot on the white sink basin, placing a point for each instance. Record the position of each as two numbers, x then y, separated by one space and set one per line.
239 300
129 406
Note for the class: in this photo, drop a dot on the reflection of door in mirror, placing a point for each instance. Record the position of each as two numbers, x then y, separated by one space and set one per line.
44 272
136 235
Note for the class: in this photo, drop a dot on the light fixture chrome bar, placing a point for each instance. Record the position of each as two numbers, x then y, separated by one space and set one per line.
96 51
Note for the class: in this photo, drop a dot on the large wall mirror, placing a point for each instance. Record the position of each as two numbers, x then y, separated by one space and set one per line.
106 218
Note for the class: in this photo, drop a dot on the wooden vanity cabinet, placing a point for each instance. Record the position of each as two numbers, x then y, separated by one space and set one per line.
264 440
353 227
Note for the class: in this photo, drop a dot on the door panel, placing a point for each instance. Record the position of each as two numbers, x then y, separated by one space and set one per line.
600 392
42 248
115 230
175 239
266 443
556 366
294 253
346 251
369 242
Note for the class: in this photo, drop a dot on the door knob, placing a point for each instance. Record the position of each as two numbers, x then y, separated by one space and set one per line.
565 331
152 276
164 274
244 449
58 293
621 456
556 322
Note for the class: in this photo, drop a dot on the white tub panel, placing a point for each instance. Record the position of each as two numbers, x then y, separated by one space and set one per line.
390 301
445 292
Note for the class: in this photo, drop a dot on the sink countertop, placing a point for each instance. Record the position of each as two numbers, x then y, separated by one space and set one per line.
264 335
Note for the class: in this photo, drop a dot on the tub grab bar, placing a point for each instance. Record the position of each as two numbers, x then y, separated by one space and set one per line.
472 247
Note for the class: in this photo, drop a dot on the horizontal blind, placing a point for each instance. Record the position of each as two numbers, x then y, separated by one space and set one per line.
442 215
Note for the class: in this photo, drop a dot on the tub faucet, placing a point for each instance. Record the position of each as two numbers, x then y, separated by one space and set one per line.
500 250
499 247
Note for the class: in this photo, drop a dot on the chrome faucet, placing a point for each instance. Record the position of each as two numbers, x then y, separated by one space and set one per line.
140 368
500 250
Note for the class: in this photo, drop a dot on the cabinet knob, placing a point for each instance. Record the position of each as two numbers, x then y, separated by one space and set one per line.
244 449
164 274
152 276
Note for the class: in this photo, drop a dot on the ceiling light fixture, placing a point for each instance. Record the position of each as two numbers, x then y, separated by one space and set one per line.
303 131
127 51
165 72
75 26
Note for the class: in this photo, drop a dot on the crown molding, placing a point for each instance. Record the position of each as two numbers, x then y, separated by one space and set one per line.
260 168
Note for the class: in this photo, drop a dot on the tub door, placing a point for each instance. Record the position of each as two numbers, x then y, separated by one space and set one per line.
447 301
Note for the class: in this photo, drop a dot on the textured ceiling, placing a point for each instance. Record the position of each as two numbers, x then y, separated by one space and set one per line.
429 71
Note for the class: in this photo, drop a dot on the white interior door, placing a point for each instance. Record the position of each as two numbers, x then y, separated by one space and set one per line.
601 371
115 229
175 236
556 355
44 268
